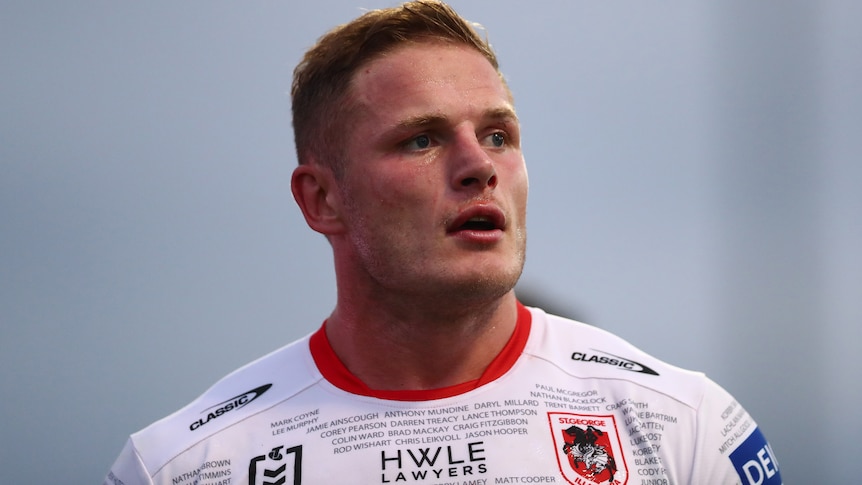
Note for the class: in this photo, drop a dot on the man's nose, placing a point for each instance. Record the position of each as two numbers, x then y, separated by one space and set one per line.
472 166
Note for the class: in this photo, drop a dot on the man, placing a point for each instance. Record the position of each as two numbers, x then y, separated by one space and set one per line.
429 370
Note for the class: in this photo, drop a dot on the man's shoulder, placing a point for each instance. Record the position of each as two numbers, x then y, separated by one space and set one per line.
251 389
585 351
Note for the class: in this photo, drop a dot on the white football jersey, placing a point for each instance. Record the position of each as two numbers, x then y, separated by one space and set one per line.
564 403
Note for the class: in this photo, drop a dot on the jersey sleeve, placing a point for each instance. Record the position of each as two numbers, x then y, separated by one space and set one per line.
128 469
730 449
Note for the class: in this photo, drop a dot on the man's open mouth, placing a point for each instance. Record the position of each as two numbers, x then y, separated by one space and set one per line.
482 217
480 223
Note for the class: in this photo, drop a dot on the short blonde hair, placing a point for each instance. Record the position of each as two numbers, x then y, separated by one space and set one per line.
322 80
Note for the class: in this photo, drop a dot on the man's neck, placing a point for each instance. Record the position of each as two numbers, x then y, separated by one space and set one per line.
405 347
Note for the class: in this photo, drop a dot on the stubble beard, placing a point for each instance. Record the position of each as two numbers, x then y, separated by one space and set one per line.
395 276
433 288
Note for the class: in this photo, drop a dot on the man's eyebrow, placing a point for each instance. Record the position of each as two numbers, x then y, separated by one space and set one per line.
503 113
421 121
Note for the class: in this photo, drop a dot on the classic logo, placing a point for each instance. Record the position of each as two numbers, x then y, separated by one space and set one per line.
614 360
278 467
231 404
588 448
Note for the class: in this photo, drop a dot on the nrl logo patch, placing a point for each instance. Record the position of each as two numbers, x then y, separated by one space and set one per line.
588 448
278 467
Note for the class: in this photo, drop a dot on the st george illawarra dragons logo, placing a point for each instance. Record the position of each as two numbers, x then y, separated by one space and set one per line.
588 449
278 467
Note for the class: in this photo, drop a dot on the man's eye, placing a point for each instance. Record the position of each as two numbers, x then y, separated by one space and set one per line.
419 143
497 139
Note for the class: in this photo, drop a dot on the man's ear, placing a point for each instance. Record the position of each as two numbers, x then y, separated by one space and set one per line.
315 191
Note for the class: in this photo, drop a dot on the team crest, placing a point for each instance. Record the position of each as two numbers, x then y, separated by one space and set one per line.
588 447
278 467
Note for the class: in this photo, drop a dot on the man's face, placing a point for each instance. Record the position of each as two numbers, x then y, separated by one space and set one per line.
435 187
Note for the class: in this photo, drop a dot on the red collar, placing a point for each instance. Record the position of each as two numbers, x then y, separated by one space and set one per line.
335 372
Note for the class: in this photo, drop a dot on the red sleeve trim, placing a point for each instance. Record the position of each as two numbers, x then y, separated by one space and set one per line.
337 374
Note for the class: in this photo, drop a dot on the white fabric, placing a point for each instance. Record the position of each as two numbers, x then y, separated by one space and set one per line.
578 406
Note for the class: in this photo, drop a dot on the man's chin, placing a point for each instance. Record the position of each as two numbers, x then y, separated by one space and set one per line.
481 287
